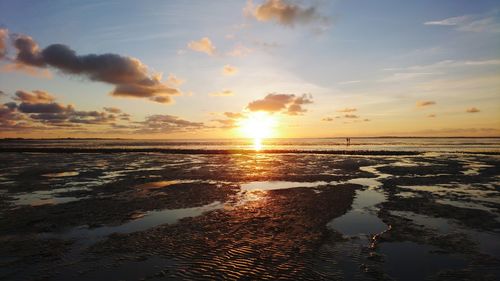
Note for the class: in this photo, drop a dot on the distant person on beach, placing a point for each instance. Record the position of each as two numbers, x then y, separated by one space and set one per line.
348 141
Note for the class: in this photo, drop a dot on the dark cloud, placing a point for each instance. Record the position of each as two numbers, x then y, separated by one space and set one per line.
10 119
114 110
472 110
167 124
351 116
129 75
39 110
124 116
286 103
52 107
327 119
425 103
283 12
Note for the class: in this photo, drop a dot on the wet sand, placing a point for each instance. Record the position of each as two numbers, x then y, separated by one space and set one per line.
253 216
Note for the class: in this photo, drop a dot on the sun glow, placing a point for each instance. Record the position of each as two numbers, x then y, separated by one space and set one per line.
258 125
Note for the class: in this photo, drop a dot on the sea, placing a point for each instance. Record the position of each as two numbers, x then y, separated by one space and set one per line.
428 144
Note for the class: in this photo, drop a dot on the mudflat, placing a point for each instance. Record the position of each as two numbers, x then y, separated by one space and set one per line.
251 216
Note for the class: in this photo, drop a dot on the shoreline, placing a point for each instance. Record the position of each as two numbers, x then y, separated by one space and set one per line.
228 151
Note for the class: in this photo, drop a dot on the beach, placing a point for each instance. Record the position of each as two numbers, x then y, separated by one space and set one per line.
227 212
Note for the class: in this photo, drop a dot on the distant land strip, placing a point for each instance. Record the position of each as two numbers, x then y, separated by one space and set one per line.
219 151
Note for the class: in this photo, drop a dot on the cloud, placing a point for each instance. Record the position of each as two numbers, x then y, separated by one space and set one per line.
327 119
4 34
203 45
425 103
229 70
231 121
445 64
472 110
174 80
167 124
286 103
42 108
239 51
470 23
399 76
449 21
227 123
39 110
36 96
451 132
224 93
348 109
283 12
114 110
234 115
349 82
351 116
129 75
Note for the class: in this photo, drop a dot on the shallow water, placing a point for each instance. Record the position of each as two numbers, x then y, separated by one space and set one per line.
412 261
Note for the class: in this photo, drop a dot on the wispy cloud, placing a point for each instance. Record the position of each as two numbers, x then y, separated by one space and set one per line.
470 23
229 70
223 93
349 82
347 109
472 110
239 51
425 103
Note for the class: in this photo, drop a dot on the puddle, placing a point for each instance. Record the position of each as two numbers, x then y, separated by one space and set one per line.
273 185
61 174
149 220
43 197
487 242
160 184
412 261
468 205
473 168
361 219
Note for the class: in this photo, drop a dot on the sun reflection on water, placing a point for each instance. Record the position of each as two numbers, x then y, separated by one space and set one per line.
257 144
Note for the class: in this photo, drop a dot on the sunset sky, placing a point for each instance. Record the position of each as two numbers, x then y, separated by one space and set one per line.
206 69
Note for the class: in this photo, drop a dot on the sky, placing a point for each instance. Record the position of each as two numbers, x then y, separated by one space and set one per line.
261 68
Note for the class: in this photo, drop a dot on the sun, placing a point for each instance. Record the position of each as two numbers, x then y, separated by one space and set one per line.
258 125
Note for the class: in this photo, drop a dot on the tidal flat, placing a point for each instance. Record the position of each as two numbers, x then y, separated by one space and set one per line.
249 216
